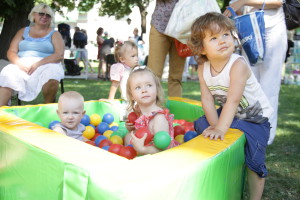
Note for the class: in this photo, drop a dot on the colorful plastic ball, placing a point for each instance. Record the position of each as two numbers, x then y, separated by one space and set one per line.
92 125
102 127
105 142
188 128
128 152
162 139
180 138
108 118
106 148
114 128
108 133
189 135
95 136
141 132
116 139
89 132
99 139
132 117
95 119
52 124
90 142
178 130
85 120
113 124
115 148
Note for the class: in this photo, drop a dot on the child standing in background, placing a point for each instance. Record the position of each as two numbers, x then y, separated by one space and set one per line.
145 92
126 55
227 78
70 111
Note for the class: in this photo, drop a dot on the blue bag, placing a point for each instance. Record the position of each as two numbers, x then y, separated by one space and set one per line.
251 32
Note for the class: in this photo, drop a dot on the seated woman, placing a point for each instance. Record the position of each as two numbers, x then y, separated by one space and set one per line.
35 54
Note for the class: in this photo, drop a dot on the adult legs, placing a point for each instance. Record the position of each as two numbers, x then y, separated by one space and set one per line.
158 50
5 95
268 73
160 46
49 90
176 68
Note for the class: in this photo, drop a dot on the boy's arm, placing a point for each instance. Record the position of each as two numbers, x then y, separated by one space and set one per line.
239 75
207 100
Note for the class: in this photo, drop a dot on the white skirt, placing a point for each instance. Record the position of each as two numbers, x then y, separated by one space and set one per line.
29 86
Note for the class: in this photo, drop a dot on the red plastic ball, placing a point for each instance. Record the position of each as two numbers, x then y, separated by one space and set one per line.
188 128
132 117
141 132
128 152
178 130
115 148
105 142
90 142
95 136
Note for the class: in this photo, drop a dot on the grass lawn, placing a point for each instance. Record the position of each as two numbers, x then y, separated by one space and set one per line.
283 156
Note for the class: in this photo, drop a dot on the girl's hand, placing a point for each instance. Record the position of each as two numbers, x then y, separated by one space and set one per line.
213 133
130 126
138 143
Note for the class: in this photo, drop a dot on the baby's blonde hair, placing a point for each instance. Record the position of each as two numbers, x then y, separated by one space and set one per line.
38 8
210 22
121 48
71 95
160 91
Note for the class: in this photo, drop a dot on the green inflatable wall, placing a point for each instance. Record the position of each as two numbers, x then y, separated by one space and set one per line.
38 164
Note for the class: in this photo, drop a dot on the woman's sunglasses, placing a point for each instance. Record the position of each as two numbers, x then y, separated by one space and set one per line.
42 14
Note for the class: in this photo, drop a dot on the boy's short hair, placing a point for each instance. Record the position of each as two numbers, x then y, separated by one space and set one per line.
213 22
71 95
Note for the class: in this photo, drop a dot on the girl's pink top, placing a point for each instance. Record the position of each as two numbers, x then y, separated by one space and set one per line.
143 122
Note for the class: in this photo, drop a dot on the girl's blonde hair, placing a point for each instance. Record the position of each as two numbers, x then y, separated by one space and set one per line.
160 100
121 48
38 8
212 22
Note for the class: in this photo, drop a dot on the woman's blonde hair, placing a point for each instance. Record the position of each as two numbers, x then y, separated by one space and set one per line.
212 22
38 8
121 48
160 100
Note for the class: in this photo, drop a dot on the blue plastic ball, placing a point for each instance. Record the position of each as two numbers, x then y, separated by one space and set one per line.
189 135
102 127
114 128
52 124
108 118
99 139
85 120
106 148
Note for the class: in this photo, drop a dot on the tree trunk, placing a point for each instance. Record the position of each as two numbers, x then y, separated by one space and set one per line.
143 14
10 27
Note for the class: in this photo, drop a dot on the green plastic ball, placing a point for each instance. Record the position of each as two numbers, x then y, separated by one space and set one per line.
162 139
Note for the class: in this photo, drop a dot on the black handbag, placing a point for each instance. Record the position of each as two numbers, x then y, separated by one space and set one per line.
292 13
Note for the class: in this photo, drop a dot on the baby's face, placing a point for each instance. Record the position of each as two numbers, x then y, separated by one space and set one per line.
70 113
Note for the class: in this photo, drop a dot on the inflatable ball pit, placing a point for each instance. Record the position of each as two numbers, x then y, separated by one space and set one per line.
37 163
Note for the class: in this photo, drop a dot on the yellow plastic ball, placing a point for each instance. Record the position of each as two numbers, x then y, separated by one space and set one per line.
179 138
116 139
89 132
113 124
108 133
95 119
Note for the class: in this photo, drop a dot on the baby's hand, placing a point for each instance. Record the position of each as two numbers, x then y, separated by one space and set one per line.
213 133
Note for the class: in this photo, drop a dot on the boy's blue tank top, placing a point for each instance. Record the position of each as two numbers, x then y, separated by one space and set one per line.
35 47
